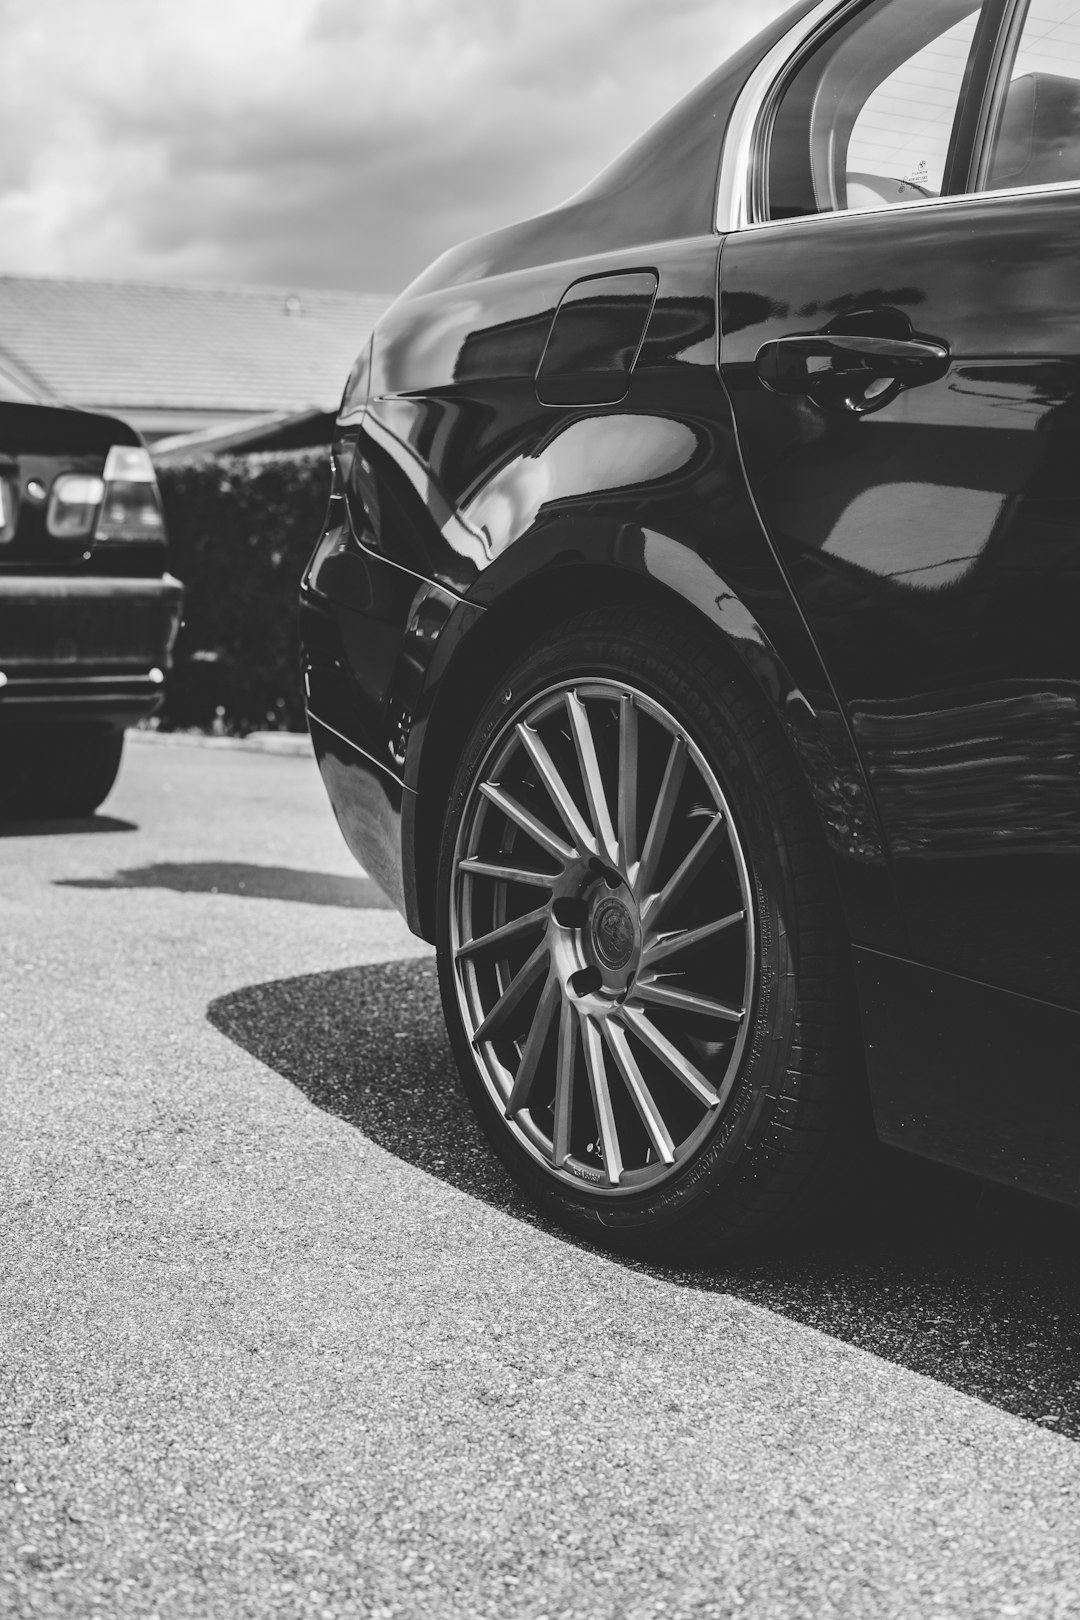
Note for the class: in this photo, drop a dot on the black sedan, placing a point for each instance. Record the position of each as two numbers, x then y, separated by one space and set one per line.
692 648
88 612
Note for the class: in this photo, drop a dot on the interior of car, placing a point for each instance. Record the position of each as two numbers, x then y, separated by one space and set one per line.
1038 139
867 120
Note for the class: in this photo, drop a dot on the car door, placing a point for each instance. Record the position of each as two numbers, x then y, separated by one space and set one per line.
905 376
900 318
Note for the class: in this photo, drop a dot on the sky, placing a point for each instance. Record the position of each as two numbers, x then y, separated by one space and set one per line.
308 143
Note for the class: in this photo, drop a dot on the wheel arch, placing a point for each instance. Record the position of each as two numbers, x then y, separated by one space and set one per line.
680 582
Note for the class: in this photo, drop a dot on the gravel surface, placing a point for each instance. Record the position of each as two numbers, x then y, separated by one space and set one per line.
279 1338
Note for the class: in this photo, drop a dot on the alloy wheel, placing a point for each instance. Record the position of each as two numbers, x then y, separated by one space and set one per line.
602 933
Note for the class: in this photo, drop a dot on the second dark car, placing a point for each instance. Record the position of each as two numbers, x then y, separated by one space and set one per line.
88 610
691 650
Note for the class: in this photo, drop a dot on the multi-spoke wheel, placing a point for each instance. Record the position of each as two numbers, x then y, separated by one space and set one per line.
603 936
614 939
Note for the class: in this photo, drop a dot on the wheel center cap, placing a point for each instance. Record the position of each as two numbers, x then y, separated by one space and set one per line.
613 933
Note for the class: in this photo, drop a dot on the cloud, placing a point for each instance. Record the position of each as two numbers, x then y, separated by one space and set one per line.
320 142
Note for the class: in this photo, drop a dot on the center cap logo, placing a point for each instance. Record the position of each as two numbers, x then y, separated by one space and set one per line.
613 934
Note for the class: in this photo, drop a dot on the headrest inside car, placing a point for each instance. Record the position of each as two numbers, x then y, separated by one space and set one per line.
1039 135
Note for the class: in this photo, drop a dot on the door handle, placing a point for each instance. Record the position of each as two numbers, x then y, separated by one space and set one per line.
797 365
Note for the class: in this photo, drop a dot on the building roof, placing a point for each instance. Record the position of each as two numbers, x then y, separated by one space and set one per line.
296 430
120 345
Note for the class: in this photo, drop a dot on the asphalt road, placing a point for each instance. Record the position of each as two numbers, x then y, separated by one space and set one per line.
278 1338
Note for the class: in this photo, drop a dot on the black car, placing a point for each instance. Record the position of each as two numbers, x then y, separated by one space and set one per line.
88 612
693 647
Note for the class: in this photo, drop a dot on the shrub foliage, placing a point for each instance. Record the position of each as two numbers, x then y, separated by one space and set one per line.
241 530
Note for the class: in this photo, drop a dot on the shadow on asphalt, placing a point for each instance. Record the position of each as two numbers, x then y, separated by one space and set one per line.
968 1283
241 878
52 829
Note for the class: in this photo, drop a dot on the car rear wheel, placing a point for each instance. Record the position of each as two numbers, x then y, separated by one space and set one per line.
641 956
58 770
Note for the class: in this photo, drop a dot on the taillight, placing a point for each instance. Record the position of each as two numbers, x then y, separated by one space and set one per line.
73 505
131 509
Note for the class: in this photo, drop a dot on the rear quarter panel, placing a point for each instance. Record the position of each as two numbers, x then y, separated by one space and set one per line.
458 475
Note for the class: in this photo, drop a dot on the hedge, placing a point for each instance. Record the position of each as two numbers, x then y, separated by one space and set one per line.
241 530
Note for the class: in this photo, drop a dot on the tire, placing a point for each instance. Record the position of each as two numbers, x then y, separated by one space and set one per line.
58 771
664 1094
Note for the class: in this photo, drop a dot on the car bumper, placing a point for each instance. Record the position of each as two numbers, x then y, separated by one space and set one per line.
370 633
93 649
367 794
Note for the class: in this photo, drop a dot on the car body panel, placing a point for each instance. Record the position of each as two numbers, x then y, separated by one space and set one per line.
474 485
934 547
367 802
478 504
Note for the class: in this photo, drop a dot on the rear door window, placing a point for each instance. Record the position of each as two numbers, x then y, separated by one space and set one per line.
868 120
1035 138
13 392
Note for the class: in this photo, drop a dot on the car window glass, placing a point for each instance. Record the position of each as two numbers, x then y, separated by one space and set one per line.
1036 139
867 121
12 392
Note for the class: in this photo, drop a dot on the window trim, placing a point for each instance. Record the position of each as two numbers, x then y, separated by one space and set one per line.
994 102
960 197
740 195
973 107
738 159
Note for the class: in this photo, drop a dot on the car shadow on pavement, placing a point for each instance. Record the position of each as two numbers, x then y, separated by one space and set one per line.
970 1284
241 878
53 829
